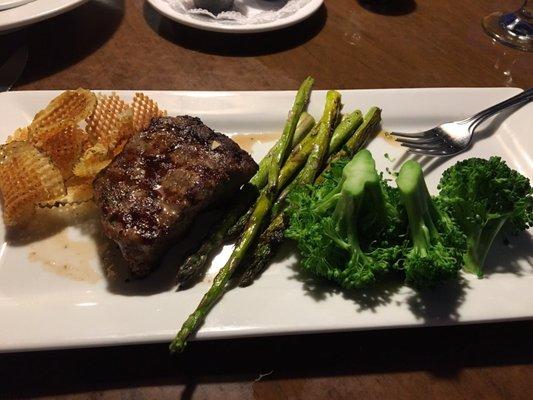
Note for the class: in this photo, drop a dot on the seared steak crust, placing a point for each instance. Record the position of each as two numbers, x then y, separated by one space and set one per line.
166 175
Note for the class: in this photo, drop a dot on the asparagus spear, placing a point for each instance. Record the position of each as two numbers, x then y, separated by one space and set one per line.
271 238
325 132
279 156
299 156
305 124
261 210
296 159
227 229
358 140
195 264
294 162
342 132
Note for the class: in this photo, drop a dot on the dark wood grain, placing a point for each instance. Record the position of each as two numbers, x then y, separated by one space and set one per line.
347 44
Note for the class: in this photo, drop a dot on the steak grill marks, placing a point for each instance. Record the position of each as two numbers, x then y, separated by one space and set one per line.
166 175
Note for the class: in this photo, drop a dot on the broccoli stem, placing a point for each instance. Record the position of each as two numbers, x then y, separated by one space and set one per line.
479 245
345 215
437 251
361 185
351 133
298 157
260 211
416 199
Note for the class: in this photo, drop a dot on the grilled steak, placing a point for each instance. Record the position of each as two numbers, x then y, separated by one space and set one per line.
166 175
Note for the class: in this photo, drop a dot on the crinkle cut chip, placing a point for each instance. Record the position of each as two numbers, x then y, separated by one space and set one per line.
71 105
92 161
122 131
144 109
76 194
20 135
38 159
63 143
104 118
27 177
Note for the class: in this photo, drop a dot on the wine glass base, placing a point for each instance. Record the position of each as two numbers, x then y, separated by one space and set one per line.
509 29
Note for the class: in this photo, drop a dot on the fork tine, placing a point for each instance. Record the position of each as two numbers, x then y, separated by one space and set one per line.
425 146
413 134
419 140
441 152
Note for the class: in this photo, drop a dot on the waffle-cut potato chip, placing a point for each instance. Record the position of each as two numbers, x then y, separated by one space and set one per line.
75 194
122 131
20 135
104 118
92 161
27 177
71 105
38 137
64 147
144 109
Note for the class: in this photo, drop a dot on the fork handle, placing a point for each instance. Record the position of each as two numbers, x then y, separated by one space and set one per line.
524 97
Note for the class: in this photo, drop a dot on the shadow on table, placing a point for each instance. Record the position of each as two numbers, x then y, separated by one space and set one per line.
64 40
389 7
242 45
443 351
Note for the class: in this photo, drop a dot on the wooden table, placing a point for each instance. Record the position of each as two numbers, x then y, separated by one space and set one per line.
347 44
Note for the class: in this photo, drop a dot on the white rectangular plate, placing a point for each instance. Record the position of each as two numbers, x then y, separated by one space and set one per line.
42 307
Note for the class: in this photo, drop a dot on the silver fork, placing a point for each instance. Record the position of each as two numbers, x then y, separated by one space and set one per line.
453 137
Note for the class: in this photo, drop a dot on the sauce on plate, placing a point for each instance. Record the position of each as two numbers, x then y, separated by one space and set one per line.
247 140
66 257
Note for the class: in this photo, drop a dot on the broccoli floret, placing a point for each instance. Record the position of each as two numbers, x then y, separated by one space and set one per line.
437 242
347 227
482 196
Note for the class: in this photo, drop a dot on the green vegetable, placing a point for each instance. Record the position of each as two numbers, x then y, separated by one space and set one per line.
233 222
292 165
327 142
353 228
260 211
305 124
326 136
325 132
483 196
279 156
348 227
272 237
357 141
437 242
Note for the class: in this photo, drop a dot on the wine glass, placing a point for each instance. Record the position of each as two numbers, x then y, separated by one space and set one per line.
513 29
